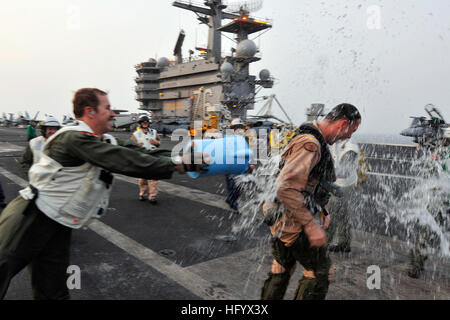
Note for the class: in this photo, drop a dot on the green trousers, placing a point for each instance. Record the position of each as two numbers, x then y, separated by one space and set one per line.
29 238
340 221
425 238
311 258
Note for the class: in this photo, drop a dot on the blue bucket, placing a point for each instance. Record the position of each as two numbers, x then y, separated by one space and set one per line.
230 155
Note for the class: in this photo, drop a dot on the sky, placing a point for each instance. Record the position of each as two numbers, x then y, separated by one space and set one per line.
387 57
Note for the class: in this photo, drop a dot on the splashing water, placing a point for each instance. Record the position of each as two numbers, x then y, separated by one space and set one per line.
418 206
256 188
397 207
407 205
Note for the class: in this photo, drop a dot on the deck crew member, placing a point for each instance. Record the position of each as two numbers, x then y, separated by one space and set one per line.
296 235
70 186
31 131
234 188
438 207
150 140
33 150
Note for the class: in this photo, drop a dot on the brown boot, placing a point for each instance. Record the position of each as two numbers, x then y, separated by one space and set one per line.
417 264
275 286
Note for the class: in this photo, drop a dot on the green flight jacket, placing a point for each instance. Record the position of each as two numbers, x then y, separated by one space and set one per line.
74 148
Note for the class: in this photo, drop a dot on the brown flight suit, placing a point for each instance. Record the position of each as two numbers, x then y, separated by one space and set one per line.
290 243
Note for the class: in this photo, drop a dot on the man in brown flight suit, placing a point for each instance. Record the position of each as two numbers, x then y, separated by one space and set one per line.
296 235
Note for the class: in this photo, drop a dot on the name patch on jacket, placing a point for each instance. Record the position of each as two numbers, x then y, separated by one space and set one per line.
311 146
89 134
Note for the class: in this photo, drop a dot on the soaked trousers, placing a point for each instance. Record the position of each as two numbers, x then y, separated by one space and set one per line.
29 238
148 185
314 259
424 237
340 221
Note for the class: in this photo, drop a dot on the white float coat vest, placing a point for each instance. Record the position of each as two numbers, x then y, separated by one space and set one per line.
37 146
71 196
144 138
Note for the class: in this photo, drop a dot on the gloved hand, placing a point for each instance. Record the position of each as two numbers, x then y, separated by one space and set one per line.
315 234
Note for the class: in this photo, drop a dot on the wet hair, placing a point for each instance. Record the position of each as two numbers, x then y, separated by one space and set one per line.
86 97
344 111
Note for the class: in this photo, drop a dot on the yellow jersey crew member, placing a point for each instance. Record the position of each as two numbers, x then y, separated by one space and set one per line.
307 167
69 186
34 148
150 140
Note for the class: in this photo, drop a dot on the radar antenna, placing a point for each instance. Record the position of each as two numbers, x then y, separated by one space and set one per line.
246 6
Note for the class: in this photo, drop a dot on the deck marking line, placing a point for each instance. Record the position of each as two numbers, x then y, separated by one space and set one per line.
187 279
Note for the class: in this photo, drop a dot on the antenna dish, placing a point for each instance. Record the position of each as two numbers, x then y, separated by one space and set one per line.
246 48
249 5
227 68
264 74
162 62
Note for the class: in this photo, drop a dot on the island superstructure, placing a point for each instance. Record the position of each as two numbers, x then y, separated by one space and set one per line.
207 87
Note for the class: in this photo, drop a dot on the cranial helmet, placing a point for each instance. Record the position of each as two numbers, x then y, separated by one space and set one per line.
143 118
236 123
51 121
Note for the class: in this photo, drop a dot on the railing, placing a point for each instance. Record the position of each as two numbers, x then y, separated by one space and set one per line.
147 77
150 96
148 86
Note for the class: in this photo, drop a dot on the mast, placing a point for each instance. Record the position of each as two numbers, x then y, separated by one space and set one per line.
214 15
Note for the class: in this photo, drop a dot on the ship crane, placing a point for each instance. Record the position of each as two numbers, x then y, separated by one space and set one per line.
266 111
177 50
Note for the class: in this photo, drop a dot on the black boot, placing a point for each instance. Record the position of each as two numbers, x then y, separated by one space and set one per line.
415 272
312 289
417 263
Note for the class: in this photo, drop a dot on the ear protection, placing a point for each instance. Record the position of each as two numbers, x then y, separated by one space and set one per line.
91 113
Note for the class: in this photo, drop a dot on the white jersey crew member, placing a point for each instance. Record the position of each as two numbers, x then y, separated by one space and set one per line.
149 139
34 148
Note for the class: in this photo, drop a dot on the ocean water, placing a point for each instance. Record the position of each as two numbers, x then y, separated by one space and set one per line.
382 138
